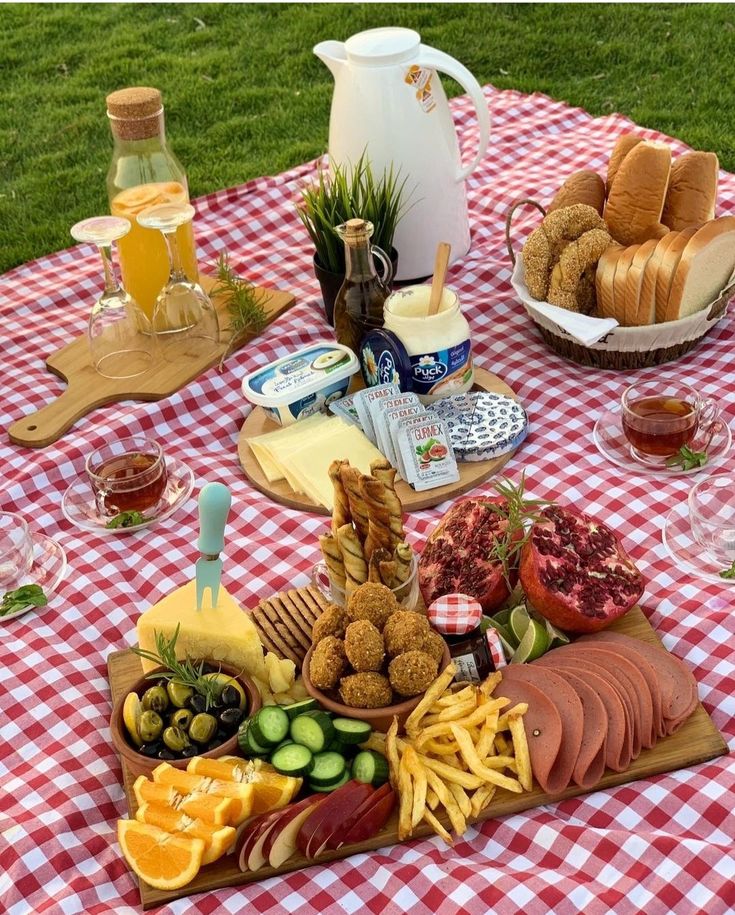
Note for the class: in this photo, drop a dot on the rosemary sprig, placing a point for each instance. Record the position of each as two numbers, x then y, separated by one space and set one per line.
519 513
728 573
687 459
183 671
244 305
126 519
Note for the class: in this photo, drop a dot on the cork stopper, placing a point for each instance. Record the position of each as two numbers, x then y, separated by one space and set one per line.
135 113
355 231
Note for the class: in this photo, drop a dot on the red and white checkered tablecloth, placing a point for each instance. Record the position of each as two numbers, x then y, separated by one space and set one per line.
659 845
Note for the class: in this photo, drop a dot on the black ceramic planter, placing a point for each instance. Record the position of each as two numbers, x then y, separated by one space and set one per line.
331 282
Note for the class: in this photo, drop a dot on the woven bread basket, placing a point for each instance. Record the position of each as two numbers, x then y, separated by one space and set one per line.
622 347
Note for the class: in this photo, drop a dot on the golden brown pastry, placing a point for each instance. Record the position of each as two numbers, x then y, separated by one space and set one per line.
621 149
356 570
383 471
379 532
580 255
636 198
692 191
341 510
582 187
350 477
333 558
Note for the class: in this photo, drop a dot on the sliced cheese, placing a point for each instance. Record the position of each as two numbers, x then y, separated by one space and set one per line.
260 444
224 633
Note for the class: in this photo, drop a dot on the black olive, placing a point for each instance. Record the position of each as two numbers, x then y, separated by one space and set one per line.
198 703
166 754
230 696
188 751
221 735
151 749
230 717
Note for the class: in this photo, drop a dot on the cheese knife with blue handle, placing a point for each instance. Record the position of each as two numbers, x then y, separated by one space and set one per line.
214 506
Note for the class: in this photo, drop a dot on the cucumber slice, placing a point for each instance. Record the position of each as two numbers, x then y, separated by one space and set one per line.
348 730
298 708
344 749
292 760
325 789
371 767
247 743
269 726
328 768
313 730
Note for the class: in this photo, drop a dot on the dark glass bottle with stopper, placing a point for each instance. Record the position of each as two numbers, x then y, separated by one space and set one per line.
358 307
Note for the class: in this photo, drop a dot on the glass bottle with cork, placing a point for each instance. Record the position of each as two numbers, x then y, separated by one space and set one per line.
358 307
143 172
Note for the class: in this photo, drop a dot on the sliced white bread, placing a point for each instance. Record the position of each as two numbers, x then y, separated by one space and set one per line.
704 269
620 282
667 269
634 279
604 278
647 297
692 191
636 199
620 151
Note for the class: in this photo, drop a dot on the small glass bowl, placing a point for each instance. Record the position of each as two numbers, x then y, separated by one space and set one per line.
712 516
16 549
407 594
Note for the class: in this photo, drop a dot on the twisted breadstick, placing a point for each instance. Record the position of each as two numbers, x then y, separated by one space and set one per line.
402 555
350 477
341 510
379 532
333 558
375 566
383 471
356 570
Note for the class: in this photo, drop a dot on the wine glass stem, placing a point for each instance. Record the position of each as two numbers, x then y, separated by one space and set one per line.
111 284
177 270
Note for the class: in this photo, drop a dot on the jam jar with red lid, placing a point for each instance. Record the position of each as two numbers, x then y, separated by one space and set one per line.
457 617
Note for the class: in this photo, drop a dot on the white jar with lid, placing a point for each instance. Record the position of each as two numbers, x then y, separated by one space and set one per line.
439 346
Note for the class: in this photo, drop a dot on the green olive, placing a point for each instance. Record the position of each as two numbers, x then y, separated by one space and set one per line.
179 693
151 725
175 739
202 727
155 698
181 718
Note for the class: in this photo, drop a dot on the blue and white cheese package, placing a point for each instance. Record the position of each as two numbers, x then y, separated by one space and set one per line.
365 403
426 452
482 425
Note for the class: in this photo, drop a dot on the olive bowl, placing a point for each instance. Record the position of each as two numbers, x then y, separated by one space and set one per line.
380 719
137 763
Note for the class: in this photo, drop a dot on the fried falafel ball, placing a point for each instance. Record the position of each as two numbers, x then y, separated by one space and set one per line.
328 662
364 646
405 631
366 690
412 672
433 645
333 621
373 602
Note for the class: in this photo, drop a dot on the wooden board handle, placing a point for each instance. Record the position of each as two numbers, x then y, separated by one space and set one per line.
36 430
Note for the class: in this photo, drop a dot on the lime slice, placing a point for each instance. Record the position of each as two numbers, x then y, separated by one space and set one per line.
534 643
518 622
132 710
502 616
557 638
509 648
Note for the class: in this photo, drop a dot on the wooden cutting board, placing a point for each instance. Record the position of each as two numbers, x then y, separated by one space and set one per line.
471 473
87 390
697 741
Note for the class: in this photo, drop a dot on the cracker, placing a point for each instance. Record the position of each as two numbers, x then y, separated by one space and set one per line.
285 649
291 624
300 602
296 614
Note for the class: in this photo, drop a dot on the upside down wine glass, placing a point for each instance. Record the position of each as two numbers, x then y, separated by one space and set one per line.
121 342
184 319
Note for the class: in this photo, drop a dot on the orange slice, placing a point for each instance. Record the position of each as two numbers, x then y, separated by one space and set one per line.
208 807
271 790
188 783
217 839
164 861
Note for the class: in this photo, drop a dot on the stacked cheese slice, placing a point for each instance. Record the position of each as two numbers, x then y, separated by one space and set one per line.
301 454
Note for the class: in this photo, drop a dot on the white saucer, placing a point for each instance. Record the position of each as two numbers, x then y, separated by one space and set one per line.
688 555
79 506
47 570
612 444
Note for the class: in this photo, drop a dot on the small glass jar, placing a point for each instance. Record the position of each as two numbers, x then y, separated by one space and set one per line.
470 655
457 618
439 346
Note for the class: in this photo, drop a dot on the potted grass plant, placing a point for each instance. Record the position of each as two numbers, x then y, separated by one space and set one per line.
347 194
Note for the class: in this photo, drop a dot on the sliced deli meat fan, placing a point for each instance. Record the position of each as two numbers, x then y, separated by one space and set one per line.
706 265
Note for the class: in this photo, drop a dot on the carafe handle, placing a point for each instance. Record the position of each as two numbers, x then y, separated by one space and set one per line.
438 60
387 277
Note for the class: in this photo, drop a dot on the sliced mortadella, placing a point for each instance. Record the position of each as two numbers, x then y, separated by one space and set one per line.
590 765
542 724
570 712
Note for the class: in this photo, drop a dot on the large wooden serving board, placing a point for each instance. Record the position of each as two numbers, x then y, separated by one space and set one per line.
697 741
86 389
471 473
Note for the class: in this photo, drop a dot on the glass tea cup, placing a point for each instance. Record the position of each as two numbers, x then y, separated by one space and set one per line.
127 475
407 594
712 516
16 550
659 417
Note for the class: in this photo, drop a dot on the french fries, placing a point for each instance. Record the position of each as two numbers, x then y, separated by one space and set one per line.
460 746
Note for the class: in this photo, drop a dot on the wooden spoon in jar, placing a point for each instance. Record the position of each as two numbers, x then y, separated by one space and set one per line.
441 262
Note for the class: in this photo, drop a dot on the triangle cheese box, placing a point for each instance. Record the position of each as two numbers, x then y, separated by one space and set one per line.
222 634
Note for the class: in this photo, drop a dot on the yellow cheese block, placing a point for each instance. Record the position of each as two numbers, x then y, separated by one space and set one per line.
260 444
224 633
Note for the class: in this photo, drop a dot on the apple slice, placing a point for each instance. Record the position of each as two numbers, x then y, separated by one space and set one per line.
280 842
372 820
336 839
337 806
251 834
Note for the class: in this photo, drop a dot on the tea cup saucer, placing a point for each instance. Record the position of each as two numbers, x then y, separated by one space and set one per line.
689 555
47 570
80 508
612 444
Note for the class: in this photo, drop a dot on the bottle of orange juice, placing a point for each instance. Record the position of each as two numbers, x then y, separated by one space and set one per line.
145 171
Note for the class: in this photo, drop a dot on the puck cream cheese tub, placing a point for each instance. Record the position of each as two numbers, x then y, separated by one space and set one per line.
302 383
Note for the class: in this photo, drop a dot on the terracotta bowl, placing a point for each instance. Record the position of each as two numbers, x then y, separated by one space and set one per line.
380 719
144 765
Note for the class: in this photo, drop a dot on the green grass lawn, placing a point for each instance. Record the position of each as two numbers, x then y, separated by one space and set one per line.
245 96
